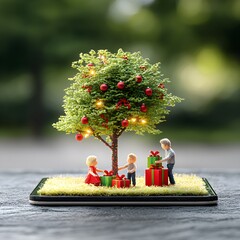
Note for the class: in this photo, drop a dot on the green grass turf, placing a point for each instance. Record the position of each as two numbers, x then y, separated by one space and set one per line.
75 186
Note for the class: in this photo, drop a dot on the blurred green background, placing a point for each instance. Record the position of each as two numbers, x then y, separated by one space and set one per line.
197 43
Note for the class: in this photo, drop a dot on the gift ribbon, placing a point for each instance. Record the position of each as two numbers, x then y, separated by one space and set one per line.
152 176
120 177
108 173
152 166
152 173
124 102
154 154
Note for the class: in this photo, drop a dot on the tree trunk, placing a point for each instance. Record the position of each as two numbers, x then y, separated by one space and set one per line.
115 153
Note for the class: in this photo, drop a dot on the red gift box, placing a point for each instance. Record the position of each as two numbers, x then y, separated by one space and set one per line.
165 176
156 176
121 182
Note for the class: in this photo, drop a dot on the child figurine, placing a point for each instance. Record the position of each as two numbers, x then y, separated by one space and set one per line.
169 158
92 176
131 175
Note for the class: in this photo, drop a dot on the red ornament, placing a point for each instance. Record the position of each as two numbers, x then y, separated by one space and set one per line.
161 85
120 85
84 120
125 57
104 87
143 108
79 137
138 78
148 92
125 123
90 65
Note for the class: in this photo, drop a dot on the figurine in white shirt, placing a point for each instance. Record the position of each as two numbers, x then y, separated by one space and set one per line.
131 167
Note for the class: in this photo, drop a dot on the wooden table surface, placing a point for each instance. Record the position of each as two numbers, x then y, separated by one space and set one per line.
20 220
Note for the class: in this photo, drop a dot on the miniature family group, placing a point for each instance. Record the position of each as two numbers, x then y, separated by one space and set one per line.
155 174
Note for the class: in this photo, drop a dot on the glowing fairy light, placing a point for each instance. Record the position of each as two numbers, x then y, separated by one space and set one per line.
92 72
133 120
143 121
86 135
99 103
88 131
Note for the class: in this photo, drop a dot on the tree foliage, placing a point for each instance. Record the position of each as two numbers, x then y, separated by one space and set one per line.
105 110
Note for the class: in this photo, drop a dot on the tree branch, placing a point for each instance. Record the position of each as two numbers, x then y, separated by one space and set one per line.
100 138
120 132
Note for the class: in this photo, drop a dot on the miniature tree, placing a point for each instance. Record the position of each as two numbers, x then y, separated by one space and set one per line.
113 93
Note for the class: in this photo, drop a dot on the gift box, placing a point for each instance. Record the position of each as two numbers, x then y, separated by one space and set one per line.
165 176
121 182
156 176
106 179
154 156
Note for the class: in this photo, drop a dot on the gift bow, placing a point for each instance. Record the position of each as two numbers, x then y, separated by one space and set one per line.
124 102
104 117
153 166
108 173
154 154
105 123
120 177
88 88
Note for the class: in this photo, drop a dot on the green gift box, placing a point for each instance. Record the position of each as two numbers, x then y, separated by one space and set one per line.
151 161
106 181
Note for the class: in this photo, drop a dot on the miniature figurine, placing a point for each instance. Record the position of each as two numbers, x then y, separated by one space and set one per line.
92 177
131 174
169 158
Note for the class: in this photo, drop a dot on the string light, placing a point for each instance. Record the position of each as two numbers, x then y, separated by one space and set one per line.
133 120
88 131
137 120
99 103
92 72
86 135
143 121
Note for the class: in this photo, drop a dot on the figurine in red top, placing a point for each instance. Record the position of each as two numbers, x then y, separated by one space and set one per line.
92 177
